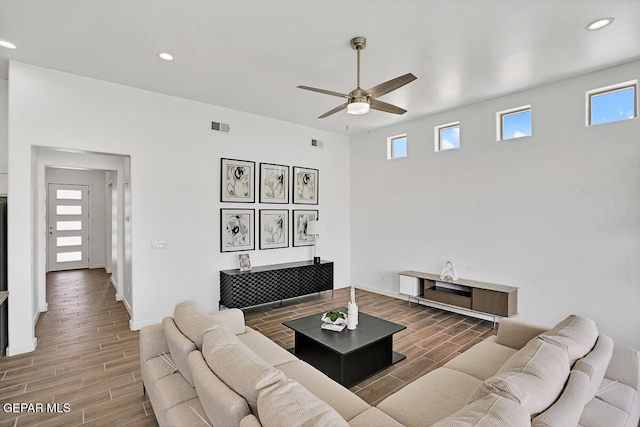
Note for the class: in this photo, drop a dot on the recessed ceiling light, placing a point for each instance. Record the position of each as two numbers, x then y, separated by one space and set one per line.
598 24
166 56
7 44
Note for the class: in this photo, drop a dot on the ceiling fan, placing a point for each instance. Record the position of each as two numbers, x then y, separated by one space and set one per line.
358 100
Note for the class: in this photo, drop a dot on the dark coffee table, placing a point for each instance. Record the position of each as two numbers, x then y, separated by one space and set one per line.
347 357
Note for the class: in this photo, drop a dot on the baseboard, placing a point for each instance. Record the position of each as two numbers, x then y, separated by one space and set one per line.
380 291
107 270
44 307
139 325
27 348
128 307
118 297
114 283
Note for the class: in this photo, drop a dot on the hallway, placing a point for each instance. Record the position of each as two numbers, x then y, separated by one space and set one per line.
86 361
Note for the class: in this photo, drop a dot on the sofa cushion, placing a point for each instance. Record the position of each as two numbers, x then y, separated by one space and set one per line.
192 321
187 414
180 347
533 377
577 333
594 364
168 392
346 403
237 366
430 398
268 350
619 395
287 403
250 421
488 411
567 409
601 414
373 417
223 406
482 360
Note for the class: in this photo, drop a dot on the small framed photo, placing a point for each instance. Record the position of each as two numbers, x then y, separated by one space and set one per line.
274 183
305 186
237 231
237 181
245 262
299 225
274 228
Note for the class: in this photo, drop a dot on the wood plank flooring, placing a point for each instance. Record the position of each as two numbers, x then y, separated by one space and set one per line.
86 357
89 359
432 338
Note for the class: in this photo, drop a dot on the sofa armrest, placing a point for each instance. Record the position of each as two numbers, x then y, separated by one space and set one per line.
514 334
624 366
232 318
152 342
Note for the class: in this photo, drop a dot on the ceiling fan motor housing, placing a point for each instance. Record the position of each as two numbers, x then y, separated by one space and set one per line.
358 43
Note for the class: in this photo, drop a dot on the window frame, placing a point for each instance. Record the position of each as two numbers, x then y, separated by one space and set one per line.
500 115
438 136
391 144
633 84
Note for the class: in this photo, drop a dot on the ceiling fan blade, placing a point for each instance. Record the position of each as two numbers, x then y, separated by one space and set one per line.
335 110
387 108
326 92
392 84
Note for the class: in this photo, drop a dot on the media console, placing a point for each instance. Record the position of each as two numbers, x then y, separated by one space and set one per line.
485 298
272 283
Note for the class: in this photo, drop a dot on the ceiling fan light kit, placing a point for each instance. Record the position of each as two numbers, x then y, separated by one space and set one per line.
359 101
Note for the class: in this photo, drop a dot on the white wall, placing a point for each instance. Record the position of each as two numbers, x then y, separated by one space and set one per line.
95 179
4 143
174 183
556 214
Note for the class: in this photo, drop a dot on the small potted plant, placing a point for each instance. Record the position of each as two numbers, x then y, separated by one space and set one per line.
334 317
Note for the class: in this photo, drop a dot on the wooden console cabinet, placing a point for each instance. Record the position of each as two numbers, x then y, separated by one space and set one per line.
271 283
485 298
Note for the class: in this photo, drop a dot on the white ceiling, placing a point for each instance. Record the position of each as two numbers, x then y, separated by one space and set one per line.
250 55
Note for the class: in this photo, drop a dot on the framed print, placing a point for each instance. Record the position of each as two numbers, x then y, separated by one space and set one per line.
274 228
305 186
274 183
238 177
237 230
300 220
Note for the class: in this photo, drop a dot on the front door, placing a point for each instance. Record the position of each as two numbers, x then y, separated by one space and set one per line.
68 216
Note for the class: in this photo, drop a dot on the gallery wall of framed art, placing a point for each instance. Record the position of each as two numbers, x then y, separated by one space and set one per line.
276 184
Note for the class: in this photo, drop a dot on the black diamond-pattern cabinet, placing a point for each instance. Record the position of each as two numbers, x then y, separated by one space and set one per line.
270 283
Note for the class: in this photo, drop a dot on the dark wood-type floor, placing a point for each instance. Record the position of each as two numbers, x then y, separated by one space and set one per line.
432 338
87 356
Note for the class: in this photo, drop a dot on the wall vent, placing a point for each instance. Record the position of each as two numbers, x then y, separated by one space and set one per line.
220 127
316 143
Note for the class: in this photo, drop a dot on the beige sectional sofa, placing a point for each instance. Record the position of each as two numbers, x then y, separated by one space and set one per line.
201 368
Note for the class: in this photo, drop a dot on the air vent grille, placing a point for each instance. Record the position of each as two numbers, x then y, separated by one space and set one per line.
316 143
220 127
